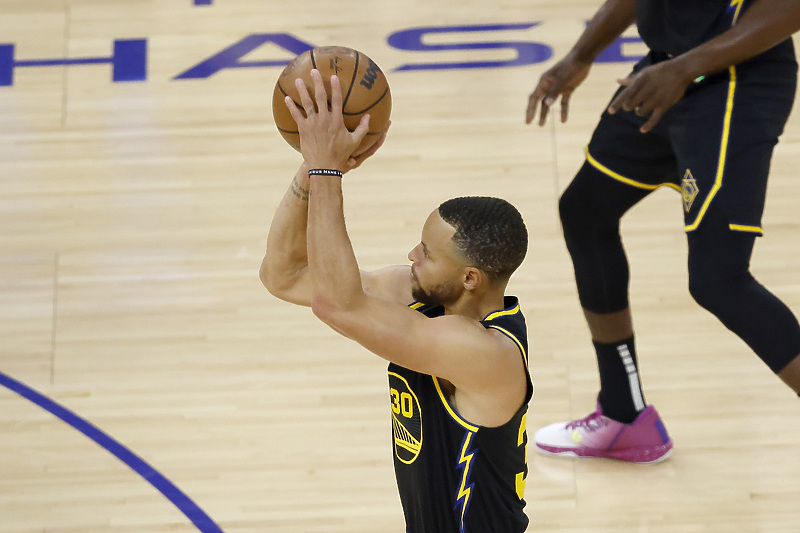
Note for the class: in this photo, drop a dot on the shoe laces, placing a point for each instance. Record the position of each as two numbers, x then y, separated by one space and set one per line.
592 422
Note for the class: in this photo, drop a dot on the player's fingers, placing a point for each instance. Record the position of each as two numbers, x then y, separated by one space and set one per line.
355 161
643 109
638 97
565 106
319 91
628 100
543 111
622 97
541 90
547 103
530 112
545 85
362 129
293 109
305 99
643 100
619 102
378 143
549 99
652 121
533 100
628 80
336 95
374 148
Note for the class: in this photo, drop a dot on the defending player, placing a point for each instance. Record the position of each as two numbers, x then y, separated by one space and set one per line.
458 378
700 113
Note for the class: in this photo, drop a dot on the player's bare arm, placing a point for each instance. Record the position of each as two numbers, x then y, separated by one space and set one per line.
654 89
284 268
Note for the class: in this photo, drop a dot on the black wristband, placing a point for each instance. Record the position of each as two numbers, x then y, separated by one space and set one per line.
325 172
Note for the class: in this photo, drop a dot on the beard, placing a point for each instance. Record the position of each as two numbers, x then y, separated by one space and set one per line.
437 295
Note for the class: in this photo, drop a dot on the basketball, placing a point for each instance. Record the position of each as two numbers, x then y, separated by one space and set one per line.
364 90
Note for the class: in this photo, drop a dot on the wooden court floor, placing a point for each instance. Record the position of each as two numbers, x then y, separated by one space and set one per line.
150 384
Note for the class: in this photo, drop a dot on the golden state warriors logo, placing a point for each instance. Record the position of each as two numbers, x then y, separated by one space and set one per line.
406 419
689 190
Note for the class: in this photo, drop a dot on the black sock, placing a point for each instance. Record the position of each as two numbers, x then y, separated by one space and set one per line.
621 394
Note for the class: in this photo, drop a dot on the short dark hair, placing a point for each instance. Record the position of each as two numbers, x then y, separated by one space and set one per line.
489 232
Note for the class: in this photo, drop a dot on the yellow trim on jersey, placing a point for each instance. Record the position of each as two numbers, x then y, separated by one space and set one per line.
450 410
746 229
738 4
416 305
723 152
627 181
513 338
505 312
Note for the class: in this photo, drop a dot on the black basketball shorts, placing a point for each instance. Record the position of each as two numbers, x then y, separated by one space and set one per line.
714 146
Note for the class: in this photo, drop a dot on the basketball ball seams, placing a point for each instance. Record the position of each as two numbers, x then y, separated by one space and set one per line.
376 102
287 94
352 81
366 80
296 132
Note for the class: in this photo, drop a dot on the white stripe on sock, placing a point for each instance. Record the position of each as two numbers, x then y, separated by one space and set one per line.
633 376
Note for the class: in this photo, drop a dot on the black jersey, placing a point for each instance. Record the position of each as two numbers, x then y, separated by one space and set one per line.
676 26
452 475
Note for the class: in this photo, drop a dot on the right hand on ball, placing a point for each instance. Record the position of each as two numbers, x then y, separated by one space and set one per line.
325 142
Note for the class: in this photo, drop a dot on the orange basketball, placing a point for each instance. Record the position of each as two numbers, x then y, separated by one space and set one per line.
364 90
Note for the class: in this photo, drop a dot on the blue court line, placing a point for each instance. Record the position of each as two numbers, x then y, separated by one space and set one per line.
202 2
198 517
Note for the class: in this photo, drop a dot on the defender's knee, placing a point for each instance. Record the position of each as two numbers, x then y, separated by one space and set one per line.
586 207
709 291
572 209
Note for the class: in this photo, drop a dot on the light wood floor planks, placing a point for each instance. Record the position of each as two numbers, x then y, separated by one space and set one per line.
133 216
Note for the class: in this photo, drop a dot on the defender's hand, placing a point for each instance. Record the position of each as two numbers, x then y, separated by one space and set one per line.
652 91
561 80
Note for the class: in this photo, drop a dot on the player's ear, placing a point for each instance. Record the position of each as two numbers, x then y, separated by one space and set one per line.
474 278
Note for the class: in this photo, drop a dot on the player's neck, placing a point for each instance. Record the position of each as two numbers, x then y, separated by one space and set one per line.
477 306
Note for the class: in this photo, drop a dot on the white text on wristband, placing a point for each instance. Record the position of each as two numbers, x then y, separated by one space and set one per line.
325 172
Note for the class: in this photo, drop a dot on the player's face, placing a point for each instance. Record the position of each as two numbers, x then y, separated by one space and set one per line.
436 269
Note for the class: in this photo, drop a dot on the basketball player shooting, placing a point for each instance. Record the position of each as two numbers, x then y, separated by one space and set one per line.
457 345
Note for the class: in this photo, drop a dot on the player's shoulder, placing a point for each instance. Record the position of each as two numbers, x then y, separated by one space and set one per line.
510 314
510 322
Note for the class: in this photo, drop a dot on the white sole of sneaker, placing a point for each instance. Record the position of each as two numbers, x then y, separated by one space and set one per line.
570 454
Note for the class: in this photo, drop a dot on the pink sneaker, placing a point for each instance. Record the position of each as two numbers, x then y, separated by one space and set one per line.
645 440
